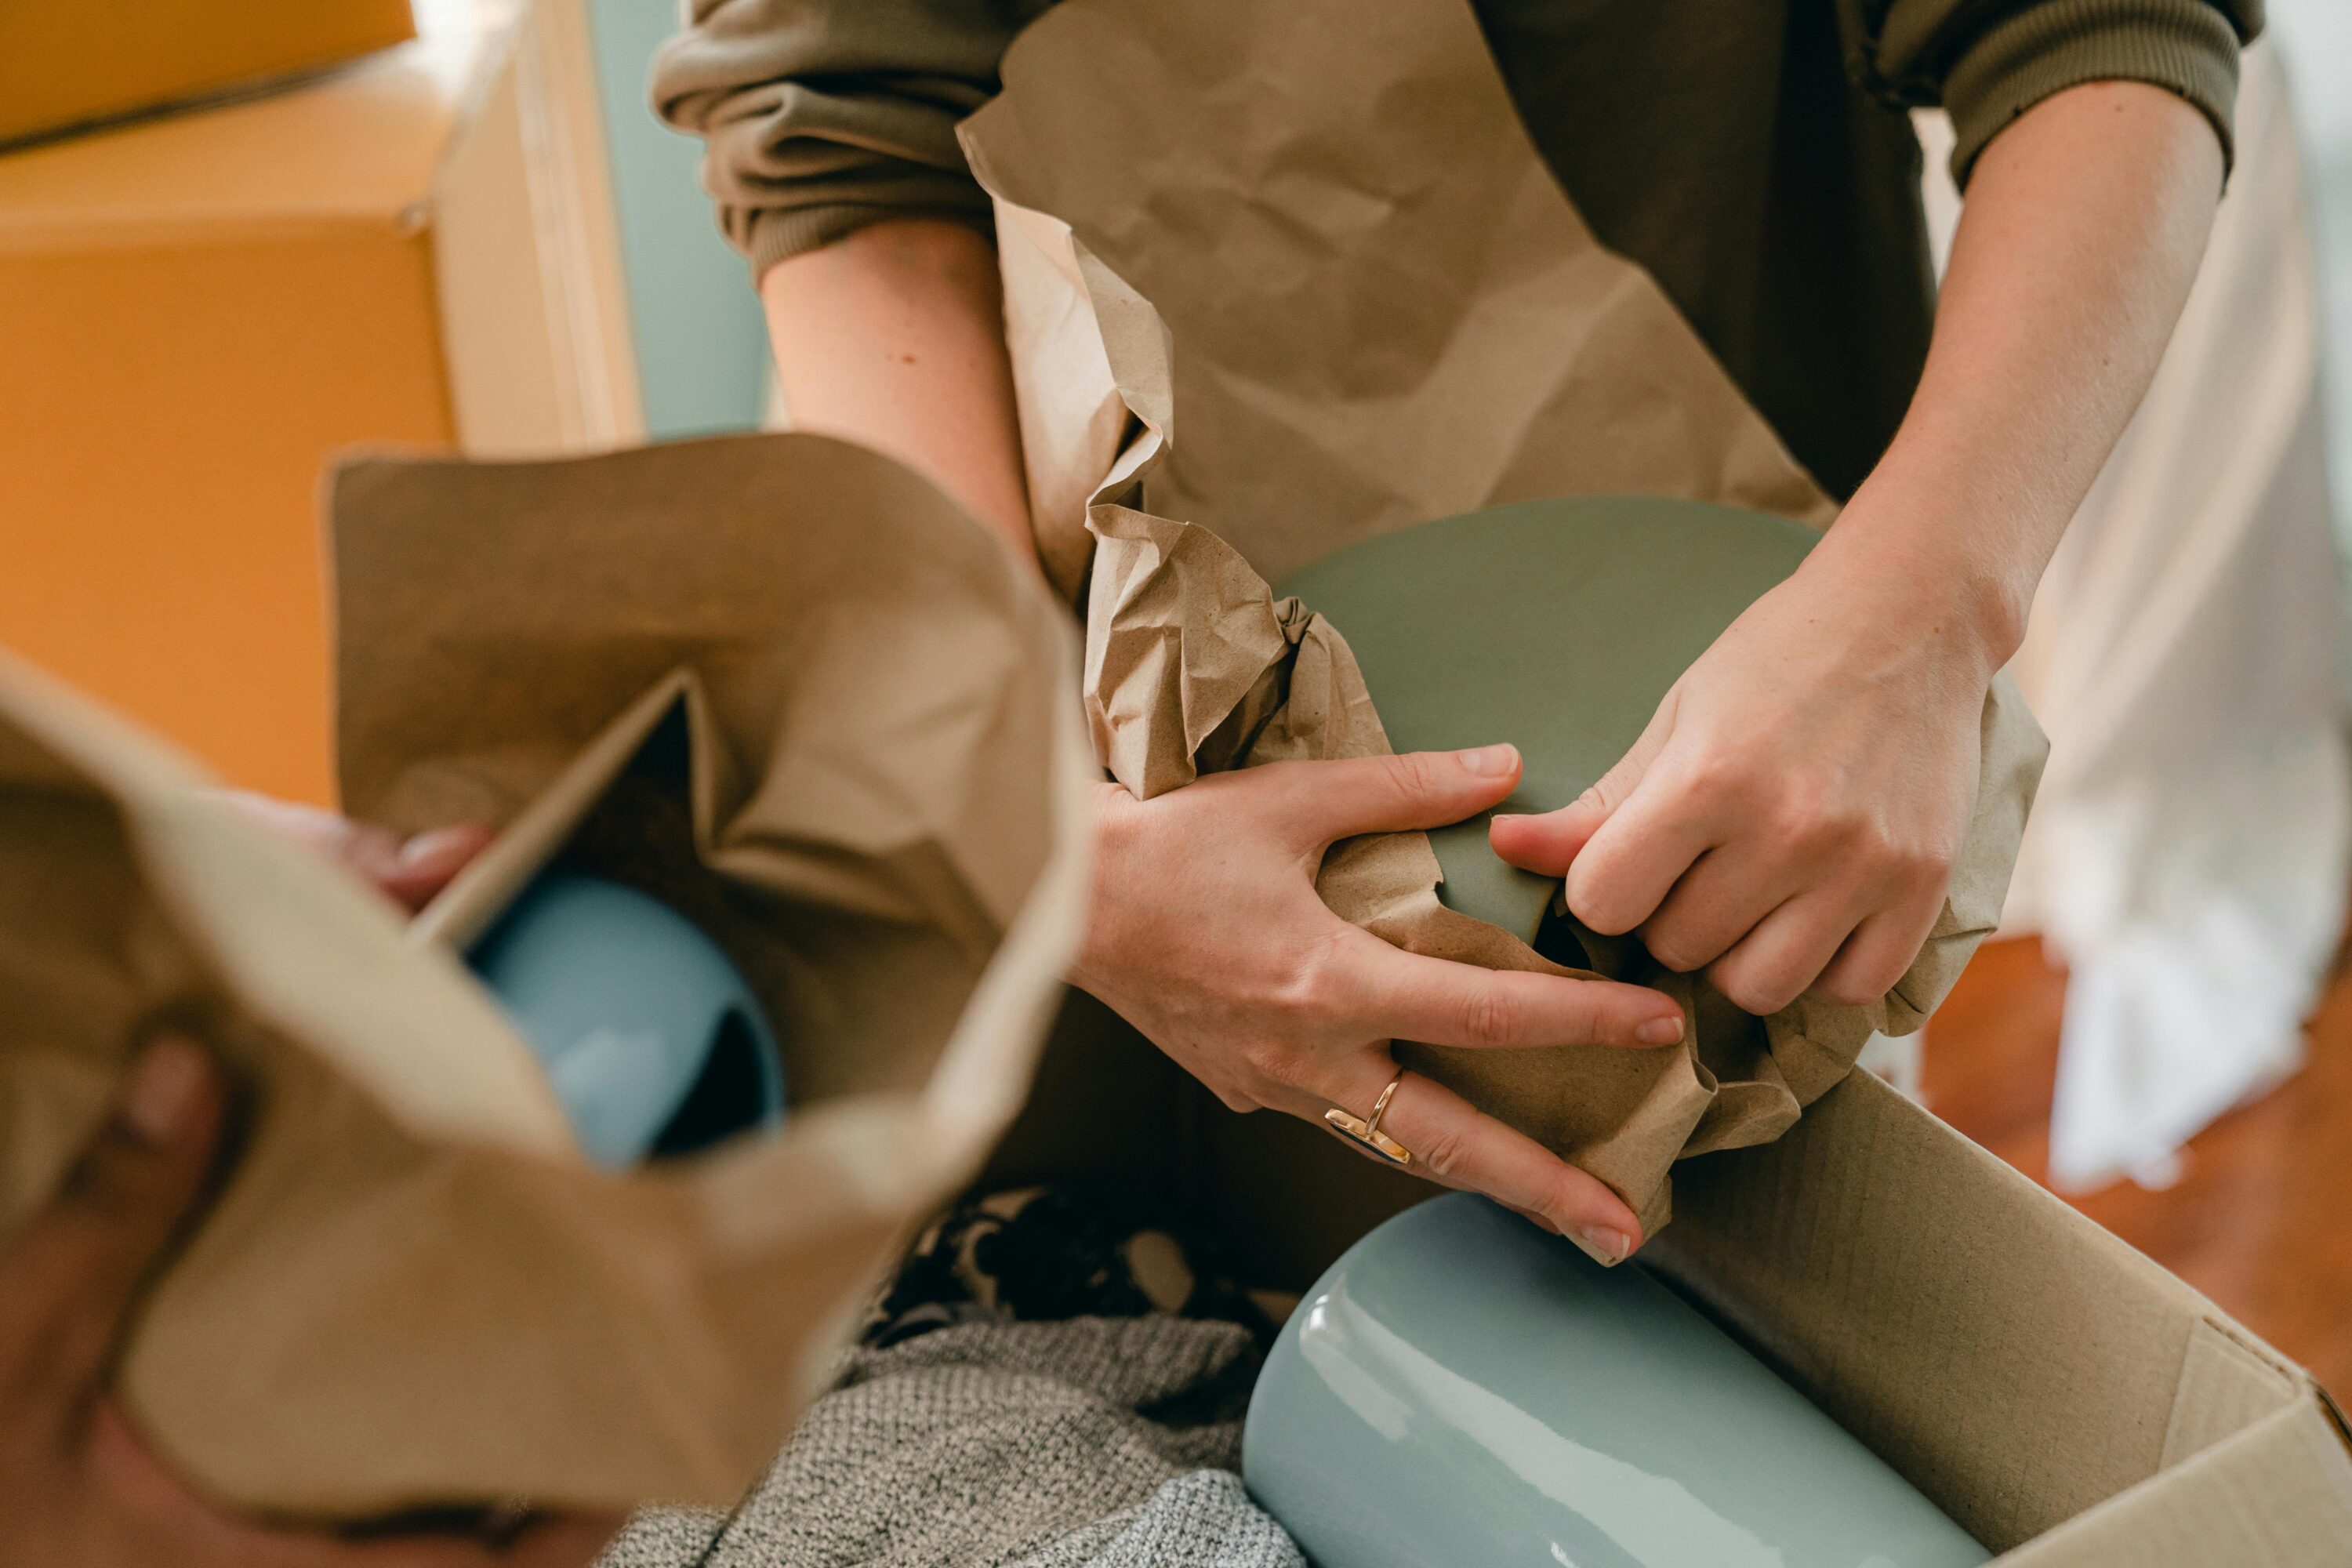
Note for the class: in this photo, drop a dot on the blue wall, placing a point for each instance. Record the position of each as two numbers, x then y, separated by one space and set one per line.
702 344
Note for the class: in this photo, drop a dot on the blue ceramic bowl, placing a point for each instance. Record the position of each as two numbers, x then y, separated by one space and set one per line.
1463 1388
654 1042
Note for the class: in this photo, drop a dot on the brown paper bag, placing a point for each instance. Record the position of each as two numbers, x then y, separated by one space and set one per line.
1273 303
777 681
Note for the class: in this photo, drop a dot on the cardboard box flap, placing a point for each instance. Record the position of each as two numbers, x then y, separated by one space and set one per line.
63 65
2015 1361
2276 1495
2227 1385
361 144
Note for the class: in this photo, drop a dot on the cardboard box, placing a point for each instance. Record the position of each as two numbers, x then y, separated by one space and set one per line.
64 65
2062 1398
197 311
2068 1402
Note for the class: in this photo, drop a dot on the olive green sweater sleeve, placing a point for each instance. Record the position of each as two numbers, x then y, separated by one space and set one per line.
821 116
1989 61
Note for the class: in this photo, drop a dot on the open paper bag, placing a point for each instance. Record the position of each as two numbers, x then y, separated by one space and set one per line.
777 682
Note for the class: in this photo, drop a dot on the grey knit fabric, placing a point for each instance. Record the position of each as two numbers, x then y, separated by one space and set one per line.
1089 1443
1203 1519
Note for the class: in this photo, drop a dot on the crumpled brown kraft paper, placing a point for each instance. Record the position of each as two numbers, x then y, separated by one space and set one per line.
777 681
1382 307
1296 276
1193 666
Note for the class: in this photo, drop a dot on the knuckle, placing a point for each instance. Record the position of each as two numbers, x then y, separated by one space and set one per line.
1600 915
1672 955
1312 989
1884 848
1715 779
1815 827
1881 978
1489 1018
1412 776
1892 864
1273 1062
1758 994
1858 984
1237 1081
1445 1151
1930 869
1849 989
1725 783
1674 948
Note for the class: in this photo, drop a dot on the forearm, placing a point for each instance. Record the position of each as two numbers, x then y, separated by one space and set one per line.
2082 233
894 338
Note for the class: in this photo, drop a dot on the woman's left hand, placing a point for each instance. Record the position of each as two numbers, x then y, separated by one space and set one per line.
407 871
79 1484
1790 819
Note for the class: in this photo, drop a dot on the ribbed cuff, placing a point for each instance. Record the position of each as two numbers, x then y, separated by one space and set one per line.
2185 46
768 234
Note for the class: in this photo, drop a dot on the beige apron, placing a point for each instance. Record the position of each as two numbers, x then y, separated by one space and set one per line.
1295 276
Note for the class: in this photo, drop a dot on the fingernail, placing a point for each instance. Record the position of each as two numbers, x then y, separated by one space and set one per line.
1613 1246
432 846
1488 762
1663 1031
164 1083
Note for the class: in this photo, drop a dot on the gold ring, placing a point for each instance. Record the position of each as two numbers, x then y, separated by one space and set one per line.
1368 1134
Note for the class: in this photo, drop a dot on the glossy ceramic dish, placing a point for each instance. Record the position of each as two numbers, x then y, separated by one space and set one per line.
652 1038
1463 1388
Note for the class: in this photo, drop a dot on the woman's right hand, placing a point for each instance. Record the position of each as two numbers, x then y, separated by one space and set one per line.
1207 935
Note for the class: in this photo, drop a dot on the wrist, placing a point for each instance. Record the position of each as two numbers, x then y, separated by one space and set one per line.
1931 573
1089 968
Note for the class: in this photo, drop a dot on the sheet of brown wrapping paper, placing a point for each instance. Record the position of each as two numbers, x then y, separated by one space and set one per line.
776 680
1382 308
1297 276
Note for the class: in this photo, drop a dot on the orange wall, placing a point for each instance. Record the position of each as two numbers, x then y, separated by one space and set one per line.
165 412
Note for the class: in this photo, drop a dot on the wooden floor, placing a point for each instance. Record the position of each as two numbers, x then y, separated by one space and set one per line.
2261 1219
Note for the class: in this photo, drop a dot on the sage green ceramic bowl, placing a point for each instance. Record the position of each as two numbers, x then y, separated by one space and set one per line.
1555 624
1461 1388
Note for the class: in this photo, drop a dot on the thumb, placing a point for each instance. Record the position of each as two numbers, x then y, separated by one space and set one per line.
67 1282
1548 844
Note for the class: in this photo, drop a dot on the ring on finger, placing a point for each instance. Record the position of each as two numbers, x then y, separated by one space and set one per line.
1367 1134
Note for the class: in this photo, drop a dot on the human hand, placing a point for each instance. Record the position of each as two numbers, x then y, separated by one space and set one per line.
1790 819
409 872
78 1485
1207 935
